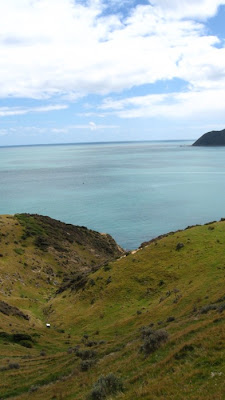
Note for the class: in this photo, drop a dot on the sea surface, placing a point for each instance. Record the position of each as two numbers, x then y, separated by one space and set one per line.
135 190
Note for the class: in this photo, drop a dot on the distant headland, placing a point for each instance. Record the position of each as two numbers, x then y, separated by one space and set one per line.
213 138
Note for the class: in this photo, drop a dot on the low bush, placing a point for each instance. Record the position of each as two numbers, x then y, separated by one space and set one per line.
85 365
41 242
106 268
105 386
14 365
153 339
85 354
17 337
3 368
179 246
221 308
26 344
5 336
109 280
170 319
91 343
207 308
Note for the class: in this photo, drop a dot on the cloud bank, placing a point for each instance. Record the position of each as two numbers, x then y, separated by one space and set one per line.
70 49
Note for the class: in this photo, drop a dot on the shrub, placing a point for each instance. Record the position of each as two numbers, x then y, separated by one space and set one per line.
146 331
106 386
221 308
91 343
34 388
208 308
170 319
220 300
153 339
17 337
69 351
26 344
5 336
179 246
14 365
41 242
86 364
85 354
3 368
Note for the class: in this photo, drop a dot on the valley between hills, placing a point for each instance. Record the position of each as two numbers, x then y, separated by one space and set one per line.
146 324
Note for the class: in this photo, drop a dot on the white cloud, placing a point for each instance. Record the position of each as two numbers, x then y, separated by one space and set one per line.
91 126
10 111
200 9
68 48
173 105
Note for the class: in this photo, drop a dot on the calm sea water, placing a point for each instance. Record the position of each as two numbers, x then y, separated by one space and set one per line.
134 191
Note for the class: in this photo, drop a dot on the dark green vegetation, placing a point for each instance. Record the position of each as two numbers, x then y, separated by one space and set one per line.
213 138
144 325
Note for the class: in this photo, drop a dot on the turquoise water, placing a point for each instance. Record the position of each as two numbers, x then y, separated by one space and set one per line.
134 191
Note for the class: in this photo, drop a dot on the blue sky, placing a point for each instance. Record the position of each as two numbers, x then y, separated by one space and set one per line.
98 70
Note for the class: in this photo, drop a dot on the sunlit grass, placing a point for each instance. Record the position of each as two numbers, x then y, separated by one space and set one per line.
158 285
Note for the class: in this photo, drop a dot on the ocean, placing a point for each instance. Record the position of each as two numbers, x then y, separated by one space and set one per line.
134 191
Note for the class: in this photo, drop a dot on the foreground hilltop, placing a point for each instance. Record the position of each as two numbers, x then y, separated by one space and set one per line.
213 138
144 325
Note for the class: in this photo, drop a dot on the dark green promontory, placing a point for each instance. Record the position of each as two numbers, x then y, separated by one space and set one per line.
213 138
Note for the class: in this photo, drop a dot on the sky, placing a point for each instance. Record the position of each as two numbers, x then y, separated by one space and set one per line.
97 70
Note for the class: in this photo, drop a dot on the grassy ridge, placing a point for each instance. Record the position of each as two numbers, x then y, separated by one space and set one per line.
175 283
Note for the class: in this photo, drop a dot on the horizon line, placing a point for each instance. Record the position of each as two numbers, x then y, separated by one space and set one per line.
94 143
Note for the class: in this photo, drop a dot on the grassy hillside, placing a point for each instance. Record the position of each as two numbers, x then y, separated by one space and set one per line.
151 322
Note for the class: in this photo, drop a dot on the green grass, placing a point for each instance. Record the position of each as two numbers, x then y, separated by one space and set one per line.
148 287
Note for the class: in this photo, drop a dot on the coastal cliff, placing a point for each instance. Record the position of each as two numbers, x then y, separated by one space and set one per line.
213 138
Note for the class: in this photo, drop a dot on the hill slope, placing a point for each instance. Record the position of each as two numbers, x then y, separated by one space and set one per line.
213 138
153 318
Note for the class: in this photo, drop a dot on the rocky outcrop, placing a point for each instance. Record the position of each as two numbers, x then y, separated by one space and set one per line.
213 138
8 310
